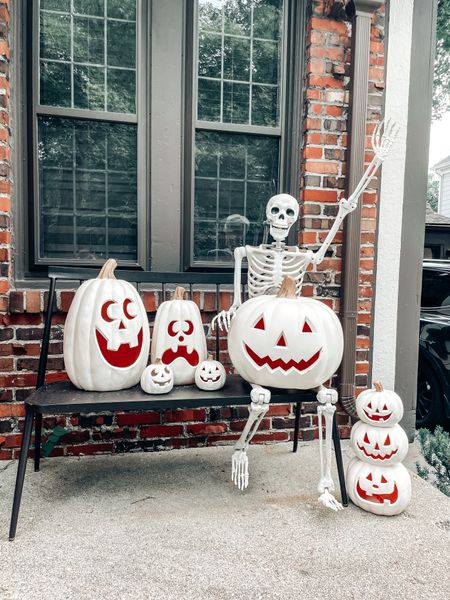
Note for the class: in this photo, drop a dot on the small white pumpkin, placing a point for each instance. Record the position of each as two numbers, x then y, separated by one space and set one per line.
379 407
379 445
285 341
210 375
179 338
106 335
157 378
378 489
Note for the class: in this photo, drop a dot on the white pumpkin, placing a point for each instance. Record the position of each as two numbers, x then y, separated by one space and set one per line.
106 335
210 375
383 490
157 378
379 407
179 338
379 445
285 341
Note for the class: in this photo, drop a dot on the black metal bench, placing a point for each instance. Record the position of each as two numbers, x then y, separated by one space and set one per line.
64 398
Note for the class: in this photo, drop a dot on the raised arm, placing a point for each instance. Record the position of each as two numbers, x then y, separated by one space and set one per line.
223 319
381 145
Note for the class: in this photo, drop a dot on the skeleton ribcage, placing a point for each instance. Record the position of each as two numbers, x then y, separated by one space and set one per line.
267 268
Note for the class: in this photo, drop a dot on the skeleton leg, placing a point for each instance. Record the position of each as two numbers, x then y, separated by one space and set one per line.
327 399
260 398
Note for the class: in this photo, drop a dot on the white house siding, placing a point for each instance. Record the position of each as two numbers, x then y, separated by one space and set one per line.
444 195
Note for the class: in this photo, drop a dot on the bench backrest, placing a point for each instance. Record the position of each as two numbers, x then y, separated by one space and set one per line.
190 280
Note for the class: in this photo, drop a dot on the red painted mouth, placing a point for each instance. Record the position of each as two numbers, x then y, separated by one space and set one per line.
278 363
377 417
378 498
124 356
378 457
181 352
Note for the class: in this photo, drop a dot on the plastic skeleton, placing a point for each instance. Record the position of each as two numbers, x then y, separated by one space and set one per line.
267 265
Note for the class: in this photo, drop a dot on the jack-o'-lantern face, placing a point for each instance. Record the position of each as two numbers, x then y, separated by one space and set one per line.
379 407
157 379
285 342
379 445
119 333
181 337
383 490
210 375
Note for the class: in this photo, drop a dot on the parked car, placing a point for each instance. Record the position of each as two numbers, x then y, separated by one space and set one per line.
433 382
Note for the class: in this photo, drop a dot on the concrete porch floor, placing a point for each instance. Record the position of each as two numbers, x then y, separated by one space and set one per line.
170 525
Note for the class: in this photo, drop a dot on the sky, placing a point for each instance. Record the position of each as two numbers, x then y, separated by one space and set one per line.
439 140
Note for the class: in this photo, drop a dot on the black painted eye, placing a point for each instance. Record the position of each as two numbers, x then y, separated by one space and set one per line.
166 370
274 210
290 212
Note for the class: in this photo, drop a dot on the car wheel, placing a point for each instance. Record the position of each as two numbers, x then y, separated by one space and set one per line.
429 411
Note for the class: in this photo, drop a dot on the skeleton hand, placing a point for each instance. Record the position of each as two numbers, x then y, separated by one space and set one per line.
224 318
382 145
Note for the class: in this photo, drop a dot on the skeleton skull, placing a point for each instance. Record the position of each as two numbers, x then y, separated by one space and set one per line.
281 212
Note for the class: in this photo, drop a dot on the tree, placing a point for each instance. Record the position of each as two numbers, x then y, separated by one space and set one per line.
441 91
433 191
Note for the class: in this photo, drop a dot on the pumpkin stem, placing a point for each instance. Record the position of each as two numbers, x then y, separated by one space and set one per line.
210 357
107 271
378 387
287 289
157 361
179 293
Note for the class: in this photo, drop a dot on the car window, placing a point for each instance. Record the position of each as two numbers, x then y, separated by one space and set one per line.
435 288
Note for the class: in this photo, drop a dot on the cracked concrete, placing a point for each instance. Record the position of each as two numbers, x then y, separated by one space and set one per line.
171 526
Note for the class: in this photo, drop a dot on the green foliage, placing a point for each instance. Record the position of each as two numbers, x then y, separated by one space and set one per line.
53 439
436 451
441 91
433 191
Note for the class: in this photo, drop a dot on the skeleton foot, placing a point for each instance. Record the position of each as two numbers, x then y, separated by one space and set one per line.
330 501
239 469
258 408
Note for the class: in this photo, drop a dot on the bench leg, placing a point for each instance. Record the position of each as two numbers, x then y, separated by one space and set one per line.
37 441
339 462
298 410
21 470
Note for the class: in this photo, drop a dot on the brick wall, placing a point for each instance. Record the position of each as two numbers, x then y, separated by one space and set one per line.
323 169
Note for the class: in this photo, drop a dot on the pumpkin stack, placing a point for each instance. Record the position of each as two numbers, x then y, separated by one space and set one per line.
377 481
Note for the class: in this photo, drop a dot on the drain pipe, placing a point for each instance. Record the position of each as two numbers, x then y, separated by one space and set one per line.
360 12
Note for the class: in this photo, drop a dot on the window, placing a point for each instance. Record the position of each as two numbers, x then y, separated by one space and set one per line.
240 49
86 127
156 131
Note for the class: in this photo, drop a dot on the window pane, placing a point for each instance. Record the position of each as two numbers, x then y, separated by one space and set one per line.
235 174
240 41
87 189
80 49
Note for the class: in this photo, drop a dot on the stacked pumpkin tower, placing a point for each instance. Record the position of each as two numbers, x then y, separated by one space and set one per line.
376 479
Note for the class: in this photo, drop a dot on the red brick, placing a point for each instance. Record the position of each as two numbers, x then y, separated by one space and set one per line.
150 301
279 410
66 300
147 418
313 152
161 431
177 416
325 167
89 449
33 301
319 195
207 429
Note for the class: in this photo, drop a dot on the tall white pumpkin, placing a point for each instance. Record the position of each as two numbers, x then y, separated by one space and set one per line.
106 335
179 338
285 341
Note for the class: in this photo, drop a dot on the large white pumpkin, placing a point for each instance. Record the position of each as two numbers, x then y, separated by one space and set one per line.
379 445
379 407
106 335
285 341
179 338
379 489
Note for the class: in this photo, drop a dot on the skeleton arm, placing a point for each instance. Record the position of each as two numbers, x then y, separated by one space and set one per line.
223 319
381 147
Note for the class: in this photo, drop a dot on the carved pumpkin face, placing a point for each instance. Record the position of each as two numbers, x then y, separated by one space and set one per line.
210 375
106 336
285 342
379 407
157 379
379 445
381 490
179 338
